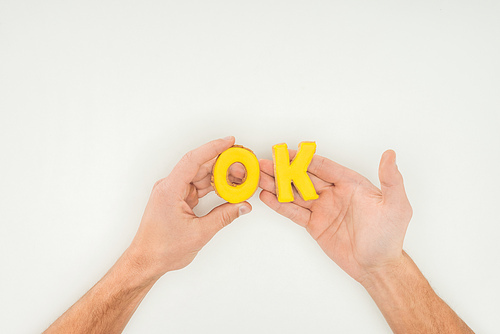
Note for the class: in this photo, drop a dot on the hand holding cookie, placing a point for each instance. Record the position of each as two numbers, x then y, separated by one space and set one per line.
358 225
170 234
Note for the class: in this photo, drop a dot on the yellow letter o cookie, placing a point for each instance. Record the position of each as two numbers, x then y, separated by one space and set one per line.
236 193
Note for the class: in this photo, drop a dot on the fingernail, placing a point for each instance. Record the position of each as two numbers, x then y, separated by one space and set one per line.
228 138
244 210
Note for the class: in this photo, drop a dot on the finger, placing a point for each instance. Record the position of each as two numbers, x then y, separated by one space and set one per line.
292 211
158 182
237 170
205 186
234 180
267 166
206 181
326 208
267 182
329 170
192 197
205 169
203 192
203 179
391 180
187 168
223 215
236 173
203 183
326 169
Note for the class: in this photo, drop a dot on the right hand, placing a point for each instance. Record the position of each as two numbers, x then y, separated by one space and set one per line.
358 225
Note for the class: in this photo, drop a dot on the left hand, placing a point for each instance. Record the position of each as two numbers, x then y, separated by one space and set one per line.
170 234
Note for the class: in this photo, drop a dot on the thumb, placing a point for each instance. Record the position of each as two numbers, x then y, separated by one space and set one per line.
391 180
223 215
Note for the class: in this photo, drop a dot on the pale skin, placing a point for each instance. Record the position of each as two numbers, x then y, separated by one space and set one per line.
358 225
362 228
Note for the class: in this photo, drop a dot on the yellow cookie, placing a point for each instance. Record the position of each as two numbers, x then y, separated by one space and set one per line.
236 193
285 172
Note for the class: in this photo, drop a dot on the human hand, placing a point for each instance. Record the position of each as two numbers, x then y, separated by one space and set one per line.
357 225
170 234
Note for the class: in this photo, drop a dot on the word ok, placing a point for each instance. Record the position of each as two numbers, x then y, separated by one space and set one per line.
285 172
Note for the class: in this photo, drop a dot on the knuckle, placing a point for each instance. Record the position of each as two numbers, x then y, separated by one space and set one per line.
194 201
409 211
406 211
188 156
161 189
321 164
213 144
158 182
293 214
225 218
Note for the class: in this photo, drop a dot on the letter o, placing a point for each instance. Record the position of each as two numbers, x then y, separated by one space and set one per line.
240 192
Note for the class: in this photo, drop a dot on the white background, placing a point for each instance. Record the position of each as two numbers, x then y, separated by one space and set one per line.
99 99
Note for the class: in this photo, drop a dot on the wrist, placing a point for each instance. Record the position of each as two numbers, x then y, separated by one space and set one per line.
381 276
139 267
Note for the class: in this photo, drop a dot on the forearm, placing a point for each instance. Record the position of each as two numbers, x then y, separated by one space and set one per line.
108 306
408 302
